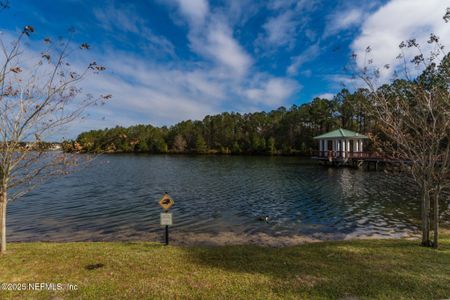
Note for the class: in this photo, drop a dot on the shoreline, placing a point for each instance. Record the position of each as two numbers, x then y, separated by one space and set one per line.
233 239
293 154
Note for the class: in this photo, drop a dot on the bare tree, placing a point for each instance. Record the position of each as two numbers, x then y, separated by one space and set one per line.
39 97
413 118
179 143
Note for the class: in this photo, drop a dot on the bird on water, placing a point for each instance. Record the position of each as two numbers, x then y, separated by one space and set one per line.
264 218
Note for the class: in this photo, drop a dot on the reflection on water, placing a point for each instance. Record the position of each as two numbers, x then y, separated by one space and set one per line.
116 198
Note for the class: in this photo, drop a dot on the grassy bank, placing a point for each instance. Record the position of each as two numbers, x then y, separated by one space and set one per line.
380 269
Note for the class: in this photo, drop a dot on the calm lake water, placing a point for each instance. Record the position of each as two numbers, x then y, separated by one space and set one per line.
116 198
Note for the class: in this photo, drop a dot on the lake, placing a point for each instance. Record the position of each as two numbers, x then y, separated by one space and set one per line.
218 199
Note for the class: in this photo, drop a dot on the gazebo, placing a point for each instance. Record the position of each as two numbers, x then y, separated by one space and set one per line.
341 144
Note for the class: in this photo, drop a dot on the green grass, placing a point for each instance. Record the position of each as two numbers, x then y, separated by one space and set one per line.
364 269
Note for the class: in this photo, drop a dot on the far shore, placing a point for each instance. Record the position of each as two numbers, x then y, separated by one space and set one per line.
191 153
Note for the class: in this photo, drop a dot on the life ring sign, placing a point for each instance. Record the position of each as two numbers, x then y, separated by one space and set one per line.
166 202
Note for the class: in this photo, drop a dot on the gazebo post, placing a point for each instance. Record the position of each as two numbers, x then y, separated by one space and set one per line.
338 148
333 147
344 148
320 147
348 148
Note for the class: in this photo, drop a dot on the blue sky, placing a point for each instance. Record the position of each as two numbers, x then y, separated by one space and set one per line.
183 59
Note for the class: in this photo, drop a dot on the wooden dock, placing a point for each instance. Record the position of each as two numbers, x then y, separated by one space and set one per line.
370 161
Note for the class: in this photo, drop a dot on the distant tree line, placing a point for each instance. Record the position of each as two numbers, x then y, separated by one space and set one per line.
280 131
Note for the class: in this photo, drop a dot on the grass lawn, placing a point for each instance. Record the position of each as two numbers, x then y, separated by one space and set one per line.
361 269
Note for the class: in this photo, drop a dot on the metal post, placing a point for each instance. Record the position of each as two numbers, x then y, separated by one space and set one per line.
167 235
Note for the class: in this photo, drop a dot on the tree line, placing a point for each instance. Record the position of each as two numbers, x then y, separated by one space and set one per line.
281 131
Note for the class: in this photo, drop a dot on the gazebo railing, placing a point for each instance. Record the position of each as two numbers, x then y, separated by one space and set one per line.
342 154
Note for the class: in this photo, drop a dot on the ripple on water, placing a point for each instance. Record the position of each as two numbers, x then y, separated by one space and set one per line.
116 198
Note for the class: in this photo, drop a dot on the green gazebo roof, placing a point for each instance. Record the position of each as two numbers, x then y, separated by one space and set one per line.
341 133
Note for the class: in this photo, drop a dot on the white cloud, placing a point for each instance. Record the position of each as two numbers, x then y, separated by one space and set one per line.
222 47
273 92
125 19
328 96
211 36
283 28
155 93
351 18
308 54
345 80
194 10
396 21
112 18
343 20
240 11
289 4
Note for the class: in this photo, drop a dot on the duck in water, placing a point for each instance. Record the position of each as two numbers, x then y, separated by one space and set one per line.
264 218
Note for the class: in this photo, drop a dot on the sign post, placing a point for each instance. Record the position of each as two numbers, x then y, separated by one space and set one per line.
167 235
166 218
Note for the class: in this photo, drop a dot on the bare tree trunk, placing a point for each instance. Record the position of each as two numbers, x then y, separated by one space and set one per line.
3 203
436 221
425 218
